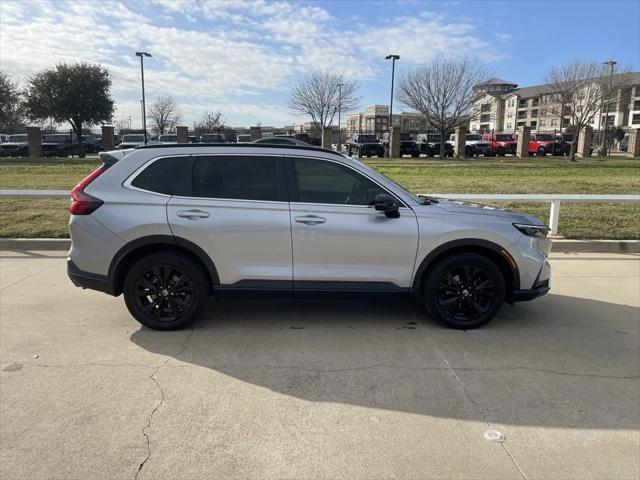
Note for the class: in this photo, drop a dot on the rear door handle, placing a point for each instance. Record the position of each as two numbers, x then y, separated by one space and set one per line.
191 214
310 219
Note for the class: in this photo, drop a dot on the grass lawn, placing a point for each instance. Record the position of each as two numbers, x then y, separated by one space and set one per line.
48 218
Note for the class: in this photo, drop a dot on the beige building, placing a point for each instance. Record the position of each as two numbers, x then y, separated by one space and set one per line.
502 106
375 119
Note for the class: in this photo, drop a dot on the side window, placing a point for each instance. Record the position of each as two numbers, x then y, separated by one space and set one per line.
326 182
240 178
162 176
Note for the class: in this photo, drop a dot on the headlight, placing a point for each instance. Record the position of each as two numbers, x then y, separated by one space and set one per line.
539 231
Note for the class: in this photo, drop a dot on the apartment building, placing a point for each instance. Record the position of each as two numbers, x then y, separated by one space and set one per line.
375 119
502 106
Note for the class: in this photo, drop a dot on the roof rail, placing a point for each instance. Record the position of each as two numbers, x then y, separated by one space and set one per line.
238 145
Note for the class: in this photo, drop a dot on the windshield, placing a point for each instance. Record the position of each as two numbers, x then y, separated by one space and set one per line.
473 137
244 138
55 139
133 139
434 138
17 138
368 138
567 137
505 137
168 138
544 137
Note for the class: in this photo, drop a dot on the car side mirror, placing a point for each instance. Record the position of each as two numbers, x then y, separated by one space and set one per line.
387 204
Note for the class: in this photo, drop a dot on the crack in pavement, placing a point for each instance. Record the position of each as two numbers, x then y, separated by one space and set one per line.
468 397
160 403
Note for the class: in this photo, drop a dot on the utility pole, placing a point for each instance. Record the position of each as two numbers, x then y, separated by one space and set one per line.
610 64
144 107
340 85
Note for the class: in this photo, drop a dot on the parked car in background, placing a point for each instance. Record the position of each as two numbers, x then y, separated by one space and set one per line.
212 138
541 144
92 143
500 143
474 145
408 146
429 144
193 139
281 140
58 144
166 226
306 138
364 145
168 138
624 143
244 138
15 145
131 141
3 138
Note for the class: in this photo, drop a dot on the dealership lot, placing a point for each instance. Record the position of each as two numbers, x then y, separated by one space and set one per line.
330 389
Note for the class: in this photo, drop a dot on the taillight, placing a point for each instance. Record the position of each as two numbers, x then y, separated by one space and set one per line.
81 202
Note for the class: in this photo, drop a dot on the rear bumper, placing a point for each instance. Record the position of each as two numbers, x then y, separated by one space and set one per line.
89 280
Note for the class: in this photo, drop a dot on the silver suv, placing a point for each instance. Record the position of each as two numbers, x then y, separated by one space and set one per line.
170 225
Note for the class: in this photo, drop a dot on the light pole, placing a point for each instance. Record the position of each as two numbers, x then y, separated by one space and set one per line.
393 59
340 85
610 64
144 107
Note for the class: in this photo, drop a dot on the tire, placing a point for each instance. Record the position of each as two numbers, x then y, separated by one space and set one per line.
540 152
177 287
501 152
458 302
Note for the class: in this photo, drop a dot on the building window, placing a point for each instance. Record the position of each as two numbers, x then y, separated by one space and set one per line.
534 125
509 114
534 102
543 123
486 107
522 115
554 122
485 118
635 120
636 105
522 104
534 113
509 126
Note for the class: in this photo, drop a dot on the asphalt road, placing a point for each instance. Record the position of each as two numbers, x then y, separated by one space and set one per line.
310 389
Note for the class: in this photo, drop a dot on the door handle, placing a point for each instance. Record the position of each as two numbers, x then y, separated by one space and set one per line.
310 219
191 214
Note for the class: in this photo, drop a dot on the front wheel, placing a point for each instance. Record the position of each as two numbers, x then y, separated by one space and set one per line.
464 290
541 152
501 152
165 291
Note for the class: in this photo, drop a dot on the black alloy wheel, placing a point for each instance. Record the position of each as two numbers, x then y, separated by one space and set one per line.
165 291
464 291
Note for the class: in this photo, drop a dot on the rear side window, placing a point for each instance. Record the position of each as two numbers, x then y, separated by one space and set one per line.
163 175
239 178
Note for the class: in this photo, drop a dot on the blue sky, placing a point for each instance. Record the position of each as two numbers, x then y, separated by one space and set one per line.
242 56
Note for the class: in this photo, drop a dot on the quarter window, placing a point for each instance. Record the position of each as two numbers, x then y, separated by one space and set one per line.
162 176
326 182
240 178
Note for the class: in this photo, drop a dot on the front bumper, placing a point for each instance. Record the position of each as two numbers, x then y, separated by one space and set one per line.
538 290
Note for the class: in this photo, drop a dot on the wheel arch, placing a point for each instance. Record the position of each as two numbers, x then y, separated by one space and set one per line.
138 248
491 250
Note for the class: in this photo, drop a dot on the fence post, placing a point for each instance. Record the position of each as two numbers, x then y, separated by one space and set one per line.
182 134
107 137
634 142
584 142
326 137
460 142
34 141
394 142
255 132
554 217
522 145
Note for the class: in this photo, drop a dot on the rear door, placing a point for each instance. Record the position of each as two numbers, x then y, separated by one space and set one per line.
340 242
235 207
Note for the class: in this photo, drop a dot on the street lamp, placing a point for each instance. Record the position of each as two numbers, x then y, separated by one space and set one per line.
393 59
144 109
340 85
610 64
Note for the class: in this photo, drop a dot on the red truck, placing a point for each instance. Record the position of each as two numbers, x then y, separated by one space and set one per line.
541 144
501 143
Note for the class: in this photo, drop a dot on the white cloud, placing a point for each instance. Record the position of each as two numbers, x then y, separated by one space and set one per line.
235 54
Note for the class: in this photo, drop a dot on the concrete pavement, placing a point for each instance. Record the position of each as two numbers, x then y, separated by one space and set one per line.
320 389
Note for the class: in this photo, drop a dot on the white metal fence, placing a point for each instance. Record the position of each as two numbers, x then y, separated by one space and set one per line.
554 199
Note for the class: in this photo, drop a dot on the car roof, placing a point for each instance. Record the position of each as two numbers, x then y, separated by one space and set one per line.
268 146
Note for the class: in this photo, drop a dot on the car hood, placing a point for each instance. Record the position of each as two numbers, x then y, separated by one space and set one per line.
456 206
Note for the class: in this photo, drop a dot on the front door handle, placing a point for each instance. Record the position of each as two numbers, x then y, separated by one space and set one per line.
191 214
310 219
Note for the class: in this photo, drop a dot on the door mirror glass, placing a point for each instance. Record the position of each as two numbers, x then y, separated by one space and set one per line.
387 204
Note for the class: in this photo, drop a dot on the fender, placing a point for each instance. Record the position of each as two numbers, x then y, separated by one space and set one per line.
461 244
156 240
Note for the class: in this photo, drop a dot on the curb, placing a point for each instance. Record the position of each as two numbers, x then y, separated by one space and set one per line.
559 245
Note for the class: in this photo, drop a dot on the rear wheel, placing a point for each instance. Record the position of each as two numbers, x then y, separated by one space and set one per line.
464 290
165 291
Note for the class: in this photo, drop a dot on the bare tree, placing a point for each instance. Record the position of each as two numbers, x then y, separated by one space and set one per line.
321 94
211 121
443 91
164 115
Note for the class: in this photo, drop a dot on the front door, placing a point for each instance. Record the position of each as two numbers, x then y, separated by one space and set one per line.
340 242
235 208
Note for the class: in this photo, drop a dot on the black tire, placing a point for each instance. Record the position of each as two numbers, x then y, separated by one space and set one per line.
541 152
501 152
165 291
464 290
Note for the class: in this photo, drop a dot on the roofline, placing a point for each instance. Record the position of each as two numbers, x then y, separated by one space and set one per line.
239 145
